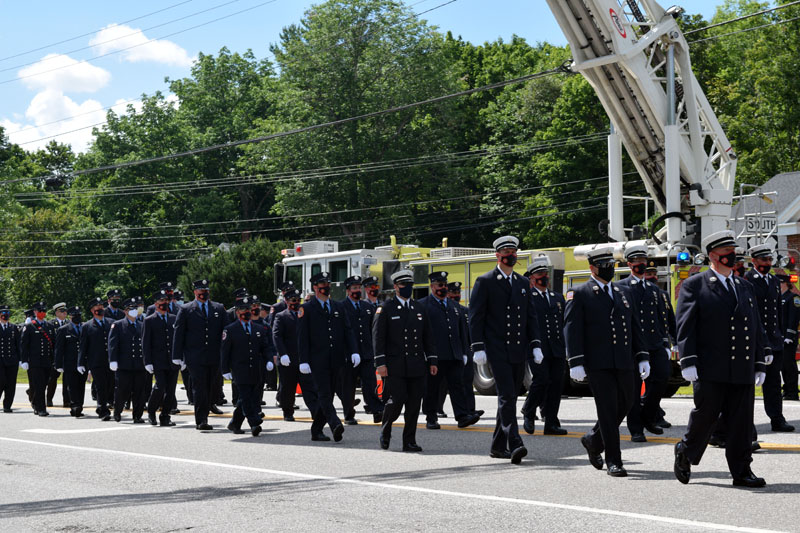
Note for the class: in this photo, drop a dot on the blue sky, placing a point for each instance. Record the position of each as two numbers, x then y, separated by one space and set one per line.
32 35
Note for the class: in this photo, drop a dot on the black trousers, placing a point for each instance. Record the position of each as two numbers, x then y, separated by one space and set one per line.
204 390
163 393
773 399
103 379
218 390
290 376
399 392
613 395
365 371
326 381
789 371
8 384
647 409
450 372
735 404
467 378
187 384
247 406
508 380
131 385
75 383
52 384
545 390
38 377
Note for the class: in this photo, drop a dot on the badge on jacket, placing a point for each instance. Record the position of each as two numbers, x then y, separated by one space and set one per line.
797 301
300 313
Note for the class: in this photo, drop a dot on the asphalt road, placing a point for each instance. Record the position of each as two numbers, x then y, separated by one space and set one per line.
63 474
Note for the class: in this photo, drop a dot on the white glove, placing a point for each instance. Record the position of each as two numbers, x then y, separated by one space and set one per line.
689 373
113 366
479 357
183 366
644 369
270 366
227 376
466 359
787 341
60 370
669 352
24 366
285 361
768 359
760 377
538 356
578 373
305 369
149 368
356 359
177 362
82 369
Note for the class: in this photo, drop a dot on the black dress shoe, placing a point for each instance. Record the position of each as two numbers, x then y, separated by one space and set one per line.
166 422
152 419
337 433
441 414
384 442
351 421
357 402
320 437
263 403
594 456
616 471
682 467
663 424
262 415
716 442
216 410
205 426
44 413
7 410
468 421
655 429
367 410
529 425
412 447
138 420
782 427
755 446
517 454
750 481
554 431
78 414
255 431
35 412
174 411
432 424
790 398
106 418
50 403
117 417
480 412
638 437
222 402
500 454
377 418
288 418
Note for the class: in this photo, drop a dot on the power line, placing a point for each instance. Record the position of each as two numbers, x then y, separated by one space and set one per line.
776 23
743 17
262 4
5 257
90 265
93 32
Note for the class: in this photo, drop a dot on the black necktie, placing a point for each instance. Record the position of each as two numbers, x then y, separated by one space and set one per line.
731 291
444 306
164 317
205 310
358 307
325 305
608 292
247 328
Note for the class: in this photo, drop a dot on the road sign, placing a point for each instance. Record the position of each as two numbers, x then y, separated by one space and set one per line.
760 224
755 241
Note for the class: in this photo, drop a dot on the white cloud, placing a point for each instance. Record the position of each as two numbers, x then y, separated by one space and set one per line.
62 73
135 47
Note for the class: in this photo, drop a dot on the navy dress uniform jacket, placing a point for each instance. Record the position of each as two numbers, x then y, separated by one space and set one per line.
114 314
157 341
449 335
324 340
284 335
768 297
93 350
402 339
68 344
551 322
361 323
668 318
37 343
244 355
198 338
506 328
725 341
646 300
172 309
601 334
791 315
9 345
125 345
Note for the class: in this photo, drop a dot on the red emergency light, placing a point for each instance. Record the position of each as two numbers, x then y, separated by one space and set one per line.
793 278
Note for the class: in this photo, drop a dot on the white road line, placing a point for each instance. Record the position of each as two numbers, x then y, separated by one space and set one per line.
42 431
407 488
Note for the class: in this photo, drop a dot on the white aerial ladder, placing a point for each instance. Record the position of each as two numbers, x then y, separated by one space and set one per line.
636 58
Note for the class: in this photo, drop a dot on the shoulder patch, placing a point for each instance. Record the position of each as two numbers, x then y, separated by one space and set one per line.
797 301
301 312
378 310
570 294
224 334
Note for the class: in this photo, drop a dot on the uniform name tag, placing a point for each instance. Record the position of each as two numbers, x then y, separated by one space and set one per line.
395 318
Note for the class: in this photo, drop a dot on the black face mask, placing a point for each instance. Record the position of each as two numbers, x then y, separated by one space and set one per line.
76 319
441 293
114 303
244 316
355 295
99 313
728 259
405 291
373 292
509 260
202 296
542 282
294 306
606 273
740 270
639 269
764 269
325 291
163 307
456 298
